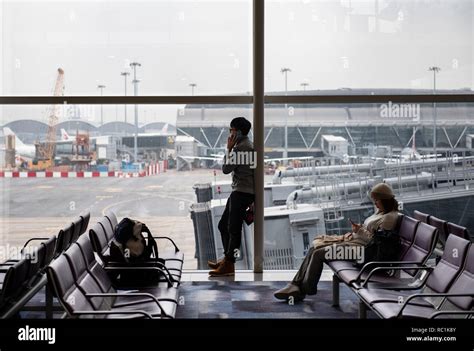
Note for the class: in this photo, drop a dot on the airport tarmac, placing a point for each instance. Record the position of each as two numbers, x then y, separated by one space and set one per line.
37 207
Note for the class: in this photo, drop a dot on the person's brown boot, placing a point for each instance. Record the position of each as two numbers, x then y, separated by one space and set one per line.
226 268
214 265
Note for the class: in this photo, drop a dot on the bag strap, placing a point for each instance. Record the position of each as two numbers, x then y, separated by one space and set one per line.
151 246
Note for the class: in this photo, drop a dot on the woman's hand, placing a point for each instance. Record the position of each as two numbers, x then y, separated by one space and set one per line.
355 227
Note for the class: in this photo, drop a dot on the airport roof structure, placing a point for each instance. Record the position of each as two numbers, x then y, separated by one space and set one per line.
326 115
28 128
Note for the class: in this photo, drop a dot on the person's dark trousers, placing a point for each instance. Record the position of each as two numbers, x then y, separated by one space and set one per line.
308 275
231 221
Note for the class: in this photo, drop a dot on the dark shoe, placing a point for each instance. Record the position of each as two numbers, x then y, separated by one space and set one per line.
290 290
215 265
226 268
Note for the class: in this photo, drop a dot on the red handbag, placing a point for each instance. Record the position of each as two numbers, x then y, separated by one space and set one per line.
249 215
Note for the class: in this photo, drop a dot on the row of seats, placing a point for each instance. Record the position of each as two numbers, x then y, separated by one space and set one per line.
69 234
102 233
85 290
22 277
447 290
444 228
418 240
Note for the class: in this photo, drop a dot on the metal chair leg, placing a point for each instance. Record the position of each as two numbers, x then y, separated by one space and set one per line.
335 290
362 310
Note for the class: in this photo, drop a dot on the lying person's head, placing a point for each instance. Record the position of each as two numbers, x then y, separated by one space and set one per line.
384 198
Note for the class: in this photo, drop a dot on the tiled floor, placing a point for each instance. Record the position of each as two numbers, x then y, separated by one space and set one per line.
248 295
268 275
247 299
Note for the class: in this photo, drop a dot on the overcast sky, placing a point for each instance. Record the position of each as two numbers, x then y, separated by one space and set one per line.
327 44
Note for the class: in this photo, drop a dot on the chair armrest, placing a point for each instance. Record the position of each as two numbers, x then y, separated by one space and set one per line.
436 314
10 262
105 312
140 265
150 296
168 238
32 239
373 271
396 263
170 284
414 296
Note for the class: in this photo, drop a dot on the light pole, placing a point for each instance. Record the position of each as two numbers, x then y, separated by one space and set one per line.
435 70
125 74
192 85
101 87
304 85
285 71
135 82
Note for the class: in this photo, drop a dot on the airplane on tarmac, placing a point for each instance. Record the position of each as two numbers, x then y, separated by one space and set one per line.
22 150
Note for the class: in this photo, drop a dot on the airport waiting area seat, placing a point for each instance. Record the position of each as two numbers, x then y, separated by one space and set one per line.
24 276
85 290
458 230
389 282
417 242
71 232
102 233
445 229
436 279
67 261
448 291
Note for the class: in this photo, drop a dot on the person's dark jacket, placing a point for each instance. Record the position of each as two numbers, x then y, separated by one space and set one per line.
242 165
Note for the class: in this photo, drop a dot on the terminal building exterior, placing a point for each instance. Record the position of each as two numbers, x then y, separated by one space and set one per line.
362 125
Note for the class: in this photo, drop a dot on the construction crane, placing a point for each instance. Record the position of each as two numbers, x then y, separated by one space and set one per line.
46 149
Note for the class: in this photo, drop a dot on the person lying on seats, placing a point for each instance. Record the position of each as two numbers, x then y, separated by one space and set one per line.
326 247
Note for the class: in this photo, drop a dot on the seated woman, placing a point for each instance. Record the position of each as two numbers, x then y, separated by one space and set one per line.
306 280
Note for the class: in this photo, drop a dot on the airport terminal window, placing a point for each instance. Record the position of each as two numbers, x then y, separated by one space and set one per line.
89 48
336 154
352 50
183 47
363 48
92 168
344 47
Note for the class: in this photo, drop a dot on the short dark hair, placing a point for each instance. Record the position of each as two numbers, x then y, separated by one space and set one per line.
240 123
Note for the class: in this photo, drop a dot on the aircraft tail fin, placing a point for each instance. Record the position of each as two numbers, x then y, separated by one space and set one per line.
64 135
8 131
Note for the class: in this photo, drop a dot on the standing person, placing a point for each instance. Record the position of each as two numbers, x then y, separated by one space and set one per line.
306 279
240 159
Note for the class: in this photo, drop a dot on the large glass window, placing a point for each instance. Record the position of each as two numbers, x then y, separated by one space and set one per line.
368 44
98 48
364 48
92 169
160 163
184 47
338 152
